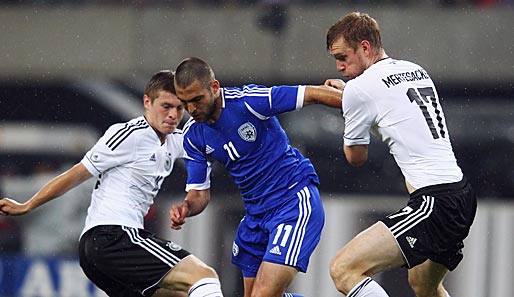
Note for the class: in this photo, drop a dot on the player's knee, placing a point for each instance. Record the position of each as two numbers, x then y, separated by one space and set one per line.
186 273
340 272
204 271
262 289
422 288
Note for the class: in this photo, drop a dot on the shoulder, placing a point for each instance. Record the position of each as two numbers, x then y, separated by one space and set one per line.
176 138
177 135
250 90
134 124
120 133
189 127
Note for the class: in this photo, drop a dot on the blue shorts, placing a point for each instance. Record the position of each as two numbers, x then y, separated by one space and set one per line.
287 234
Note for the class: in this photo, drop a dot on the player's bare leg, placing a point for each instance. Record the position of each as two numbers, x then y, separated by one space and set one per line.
167 293
272 280
426 279
189 272
372 251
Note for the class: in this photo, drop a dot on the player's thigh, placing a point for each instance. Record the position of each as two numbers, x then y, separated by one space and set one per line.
427 276
167 293
186 273
273 279
371 251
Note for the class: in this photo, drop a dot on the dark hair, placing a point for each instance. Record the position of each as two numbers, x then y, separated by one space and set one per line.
354 28
192 69
160 81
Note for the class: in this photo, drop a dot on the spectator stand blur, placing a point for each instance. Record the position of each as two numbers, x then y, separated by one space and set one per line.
53 229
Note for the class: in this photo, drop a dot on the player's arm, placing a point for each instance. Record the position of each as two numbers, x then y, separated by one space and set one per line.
335 83
53 189
325 95
357 154
194 203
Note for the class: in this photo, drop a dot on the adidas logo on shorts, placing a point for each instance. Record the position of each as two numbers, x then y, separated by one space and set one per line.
275 250
209 150
411 240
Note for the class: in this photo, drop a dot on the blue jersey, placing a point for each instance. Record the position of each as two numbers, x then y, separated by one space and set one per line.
249 141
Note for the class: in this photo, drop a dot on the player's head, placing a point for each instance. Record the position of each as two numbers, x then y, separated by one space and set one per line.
198 89
163 110
355 42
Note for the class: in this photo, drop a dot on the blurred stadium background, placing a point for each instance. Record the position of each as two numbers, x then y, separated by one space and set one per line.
69 69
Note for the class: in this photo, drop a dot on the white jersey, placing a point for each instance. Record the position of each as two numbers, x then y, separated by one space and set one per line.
131 164
397 101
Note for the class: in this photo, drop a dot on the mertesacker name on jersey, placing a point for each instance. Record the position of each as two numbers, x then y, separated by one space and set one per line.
394 79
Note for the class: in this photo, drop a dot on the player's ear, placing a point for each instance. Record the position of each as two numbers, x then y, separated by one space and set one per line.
366 47
215 86
146 101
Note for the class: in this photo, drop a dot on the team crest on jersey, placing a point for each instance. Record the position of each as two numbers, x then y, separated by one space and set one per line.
247 132
167 162
235 249
95 157
173 246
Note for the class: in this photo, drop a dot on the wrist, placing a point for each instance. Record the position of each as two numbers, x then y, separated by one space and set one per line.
186 205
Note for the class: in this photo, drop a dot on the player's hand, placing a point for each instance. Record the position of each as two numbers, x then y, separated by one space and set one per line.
335 83
178 214
10 207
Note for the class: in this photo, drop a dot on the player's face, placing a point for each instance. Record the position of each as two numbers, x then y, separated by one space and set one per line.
200 102
351 63
164 113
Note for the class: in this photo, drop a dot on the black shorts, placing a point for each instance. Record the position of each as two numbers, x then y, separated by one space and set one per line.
434 224
126 261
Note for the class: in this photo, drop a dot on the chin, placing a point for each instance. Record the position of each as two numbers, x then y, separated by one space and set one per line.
168 130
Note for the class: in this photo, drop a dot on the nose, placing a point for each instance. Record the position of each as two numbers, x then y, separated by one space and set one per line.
190 108
340 66
172 113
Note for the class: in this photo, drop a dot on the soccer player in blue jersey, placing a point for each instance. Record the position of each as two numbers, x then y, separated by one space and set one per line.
238 128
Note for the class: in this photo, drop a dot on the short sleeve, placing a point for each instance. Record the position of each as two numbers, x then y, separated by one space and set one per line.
357 116
109 151
198 167
267 102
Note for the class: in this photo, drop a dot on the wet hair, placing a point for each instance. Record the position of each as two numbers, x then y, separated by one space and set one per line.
192 69
354 28
160 81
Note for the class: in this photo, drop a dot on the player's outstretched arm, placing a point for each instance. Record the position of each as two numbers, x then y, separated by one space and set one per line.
325 95
194 203
53 189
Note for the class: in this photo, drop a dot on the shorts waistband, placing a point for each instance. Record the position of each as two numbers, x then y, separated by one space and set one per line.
441 188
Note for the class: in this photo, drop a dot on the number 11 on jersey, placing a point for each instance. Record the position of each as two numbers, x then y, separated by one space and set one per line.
231 150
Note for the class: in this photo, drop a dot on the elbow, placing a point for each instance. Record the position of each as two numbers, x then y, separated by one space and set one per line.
356 162
357 155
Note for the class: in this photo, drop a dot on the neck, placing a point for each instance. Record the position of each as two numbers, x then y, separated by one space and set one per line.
216 109
162 137
380 56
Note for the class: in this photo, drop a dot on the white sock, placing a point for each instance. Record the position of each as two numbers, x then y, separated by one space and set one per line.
367 288
206 287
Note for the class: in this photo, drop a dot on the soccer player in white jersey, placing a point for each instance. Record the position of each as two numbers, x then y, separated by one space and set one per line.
130 161
397 101
238 127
